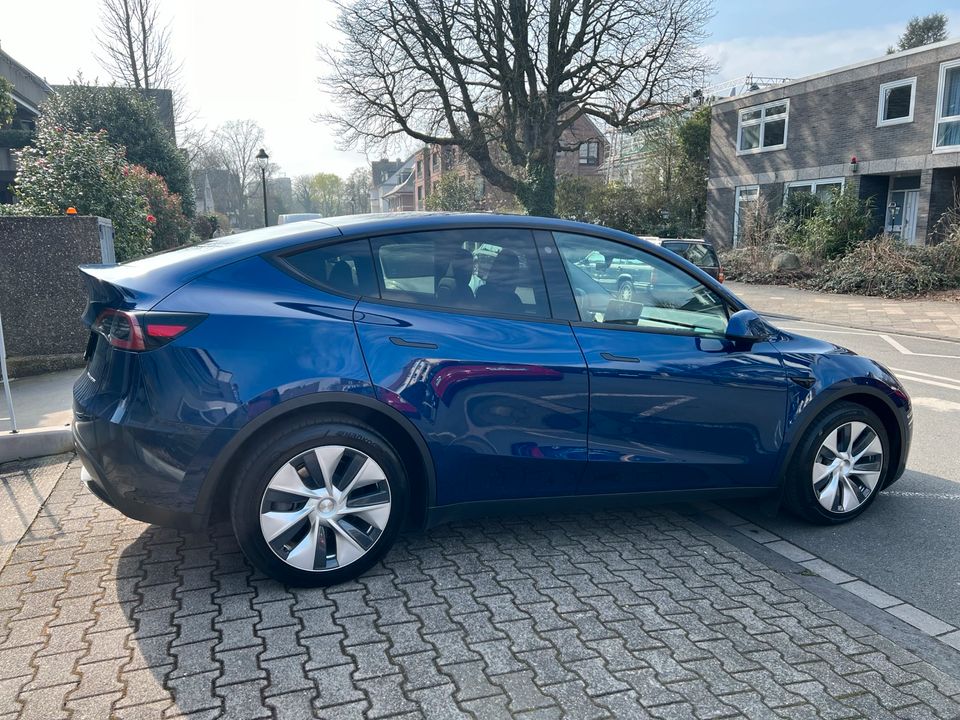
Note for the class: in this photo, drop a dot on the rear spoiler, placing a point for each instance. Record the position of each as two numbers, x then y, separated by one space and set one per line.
115 286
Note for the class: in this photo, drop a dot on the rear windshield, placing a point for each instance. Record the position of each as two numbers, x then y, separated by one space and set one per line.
700 254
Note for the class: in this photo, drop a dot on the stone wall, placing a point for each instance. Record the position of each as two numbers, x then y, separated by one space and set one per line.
41 292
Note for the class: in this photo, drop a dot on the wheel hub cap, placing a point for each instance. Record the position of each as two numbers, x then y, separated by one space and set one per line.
325 508
847 467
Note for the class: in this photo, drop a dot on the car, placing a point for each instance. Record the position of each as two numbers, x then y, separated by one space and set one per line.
323 384
698 251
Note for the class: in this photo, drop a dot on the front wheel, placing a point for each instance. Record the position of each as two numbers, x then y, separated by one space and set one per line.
840 467
625 291
318 502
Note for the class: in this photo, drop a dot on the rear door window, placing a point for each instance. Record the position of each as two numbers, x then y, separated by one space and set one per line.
699 254
467 269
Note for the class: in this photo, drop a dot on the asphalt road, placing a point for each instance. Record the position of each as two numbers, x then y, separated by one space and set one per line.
908 543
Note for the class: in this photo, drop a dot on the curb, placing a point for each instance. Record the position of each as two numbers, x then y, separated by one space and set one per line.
848 326
35 442
929 625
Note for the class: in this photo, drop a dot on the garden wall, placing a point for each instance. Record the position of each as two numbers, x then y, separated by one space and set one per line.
41 292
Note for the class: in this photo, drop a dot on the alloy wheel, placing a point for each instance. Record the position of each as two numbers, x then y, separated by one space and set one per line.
626 292
847 467
325 508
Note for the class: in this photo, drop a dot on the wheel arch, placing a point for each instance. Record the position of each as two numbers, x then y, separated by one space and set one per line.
388 422
866 396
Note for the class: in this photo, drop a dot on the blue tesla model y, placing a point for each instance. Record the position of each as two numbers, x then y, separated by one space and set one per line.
325 382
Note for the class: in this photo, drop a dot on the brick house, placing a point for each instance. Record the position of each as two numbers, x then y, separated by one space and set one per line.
428 164
887 128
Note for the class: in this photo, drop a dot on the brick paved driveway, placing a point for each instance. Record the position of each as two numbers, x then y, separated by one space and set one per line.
629 615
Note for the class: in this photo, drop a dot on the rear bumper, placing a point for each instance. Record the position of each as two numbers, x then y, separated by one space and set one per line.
98 482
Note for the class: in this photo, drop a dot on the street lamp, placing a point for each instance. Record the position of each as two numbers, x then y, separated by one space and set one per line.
262 159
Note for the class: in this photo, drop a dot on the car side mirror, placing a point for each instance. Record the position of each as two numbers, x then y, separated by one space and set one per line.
747 325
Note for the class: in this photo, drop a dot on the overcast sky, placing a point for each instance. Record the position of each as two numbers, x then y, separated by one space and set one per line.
244 59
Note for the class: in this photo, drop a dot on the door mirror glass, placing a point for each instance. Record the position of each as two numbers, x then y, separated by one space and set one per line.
746 325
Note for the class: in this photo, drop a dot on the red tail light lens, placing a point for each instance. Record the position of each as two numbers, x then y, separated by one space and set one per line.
720 276
143 331
121 329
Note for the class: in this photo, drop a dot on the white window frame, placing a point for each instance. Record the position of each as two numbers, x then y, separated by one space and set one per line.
736 210
912 83
939 118
589 152
812 184
762 122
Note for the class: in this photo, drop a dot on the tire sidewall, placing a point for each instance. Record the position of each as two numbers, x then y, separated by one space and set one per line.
800 488
269 456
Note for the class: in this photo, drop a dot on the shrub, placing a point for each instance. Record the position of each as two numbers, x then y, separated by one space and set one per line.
453 193
130 120
838 225
204 226
65 168
170 228
792 217
881 266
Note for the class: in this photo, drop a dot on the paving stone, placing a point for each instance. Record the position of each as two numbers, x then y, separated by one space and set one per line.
921 620
871 594
633 614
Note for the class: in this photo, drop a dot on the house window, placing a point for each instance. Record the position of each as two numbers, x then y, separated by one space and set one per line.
419 168
947 128
590 152
822 188
896 102
746 199
763 127
435 160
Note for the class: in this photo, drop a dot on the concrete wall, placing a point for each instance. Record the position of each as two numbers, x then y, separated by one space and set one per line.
41 292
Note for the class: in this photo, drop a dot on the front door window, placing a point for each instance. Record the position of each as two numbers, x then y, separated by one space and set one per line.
617 284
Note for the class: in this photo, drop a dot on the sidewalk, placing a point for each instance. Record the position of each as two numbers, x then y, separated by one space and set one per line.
640 614
40 400
931 318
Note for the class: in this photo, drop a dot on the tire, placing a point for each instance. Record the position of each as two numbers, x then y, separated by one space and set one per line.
829 488
625 291
285 491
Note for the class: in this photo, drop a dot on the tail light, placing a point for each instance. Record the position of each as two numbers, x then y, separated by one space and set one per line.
720 275
140 331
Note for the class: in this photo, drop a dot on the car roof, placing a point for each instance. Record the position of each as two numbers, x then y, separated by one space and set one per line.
176 267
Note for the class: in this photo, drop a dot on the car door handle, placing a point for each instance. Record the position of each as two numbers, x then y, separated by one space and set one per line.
618 358
412 344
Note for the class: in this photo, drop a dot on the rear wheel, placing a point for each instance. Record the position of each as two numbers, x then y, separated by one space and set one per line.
625 291
318 502
840 466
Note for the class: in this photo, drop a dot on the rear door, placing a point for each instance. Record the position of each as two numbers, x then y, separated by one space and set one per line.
462 342
674 405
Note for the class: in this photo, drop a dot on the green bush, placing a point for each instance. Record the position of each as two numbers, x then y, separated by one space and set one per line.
792 217
13 139
838 225
130 120
204 226
170 228
64 168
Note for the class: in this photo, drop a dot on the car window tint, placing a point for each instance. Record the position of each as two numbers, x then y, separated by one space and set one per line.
699 254
345 268
621 285
470 269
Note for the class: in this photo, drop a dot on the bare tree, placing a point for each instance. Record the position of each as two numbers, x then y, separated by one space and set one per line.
503 79
135 44
236 143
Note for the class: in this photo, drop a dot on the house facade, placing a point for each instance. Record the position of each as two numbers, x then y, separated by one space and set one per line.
399 186
29 91
889 129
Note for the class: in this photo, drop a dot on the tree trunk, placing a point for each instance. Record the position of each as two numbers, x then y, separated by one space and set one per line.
539 193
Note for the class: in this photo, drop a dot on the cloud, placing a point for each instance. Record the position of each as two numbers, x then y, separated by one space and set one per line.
799 56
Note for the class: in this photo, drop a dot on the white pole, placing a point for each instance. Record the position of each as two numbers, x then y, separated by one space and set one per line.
6 379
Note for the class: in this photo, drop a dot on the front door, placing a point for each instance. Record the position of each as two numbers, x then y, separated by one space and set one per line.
902 212
463 344
674 405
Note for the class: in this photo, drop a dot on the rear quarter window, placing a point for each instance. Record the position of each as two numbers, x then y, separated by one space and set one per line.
699 254
344 268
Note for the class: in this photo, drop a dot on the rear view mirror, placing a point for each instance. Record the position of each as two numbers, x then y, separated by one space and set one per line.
747 325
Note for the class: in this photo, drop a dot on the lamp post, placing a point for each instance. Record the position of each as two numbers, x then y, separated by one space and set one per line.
262 159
